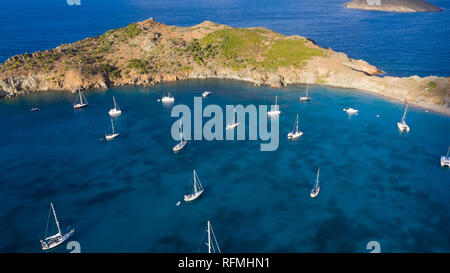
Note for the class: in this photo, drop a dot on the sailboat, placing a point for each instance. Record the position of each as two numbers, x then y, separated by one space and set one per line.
445 160
198 189
275 111
58 238
213 246
168 99
113 134
206 93
316 189
295 132
114 112
402 126
182 143
233 124
82 101
305 98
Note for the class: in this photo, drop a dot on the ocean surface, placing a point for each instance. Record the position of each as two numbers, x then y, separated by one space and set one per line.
377 184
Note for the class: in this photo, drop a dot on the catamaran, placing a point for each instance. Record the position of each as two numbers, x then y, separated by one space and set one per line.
233 124
276 110
82 101
168 99
445 160
114 112
198 189
402 126
182 143
316 189
213 246
206 93
58 238
305 98
295 132
350 110
113 134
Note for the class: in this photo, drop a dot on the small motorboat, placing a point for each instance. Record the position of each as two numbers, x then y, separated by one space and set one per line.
206 93
350 110
34 109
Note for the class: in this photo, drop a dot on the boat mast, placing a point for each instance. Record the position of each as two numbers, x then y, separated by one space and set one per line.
209 237
115 105
404 114
181 131
317 180
195 182
306 90
448 151
56 219
296 128
112 126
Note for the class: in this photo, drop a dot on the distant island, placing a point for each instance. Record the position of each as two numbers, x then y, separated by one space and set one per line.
393 5
149 52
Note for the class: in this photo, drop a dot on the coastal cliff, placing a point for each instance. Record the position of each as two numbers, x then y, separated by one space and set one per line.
392 5
149 52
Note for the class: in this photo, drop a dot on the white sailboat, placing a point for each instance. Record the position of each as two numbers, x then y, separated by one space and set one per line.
316 189
350 110
182 143
198 189
295 132
402 126
206 93
213 246
233 124
305 98
168 99
113 134
445 160
58 238
114 112
80 102
275 111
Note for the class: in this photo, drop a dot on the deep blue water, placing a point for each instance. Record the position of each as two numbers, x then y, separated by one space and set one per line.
376 184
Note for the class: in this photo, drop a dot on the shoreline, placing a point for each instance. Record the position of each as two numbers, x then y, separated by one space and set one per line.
148 53
444 111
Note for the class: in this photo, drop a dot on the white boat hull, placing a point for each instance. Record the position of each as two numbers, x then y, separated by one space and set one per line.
205 94
168 100
305 98
114 113
55 241
111 136
179 146
403 126
445 161
274 113
294 135
315 192
232 126
79 105
351 111
192 197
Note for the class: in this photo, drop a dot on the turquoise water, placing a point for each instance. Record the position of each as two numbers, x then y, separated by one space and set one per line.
120 196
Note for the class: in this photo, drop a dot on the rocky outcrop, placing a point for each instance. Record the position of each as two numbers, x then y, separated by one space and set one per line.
392 5
149 52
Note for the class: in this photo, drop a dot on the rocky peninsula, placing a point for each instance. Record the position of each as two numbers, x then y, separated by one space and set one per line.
392 5
149 52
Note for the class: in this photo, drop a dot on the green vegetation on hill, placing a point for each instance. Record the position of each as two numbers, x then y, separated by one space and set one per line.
240 48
